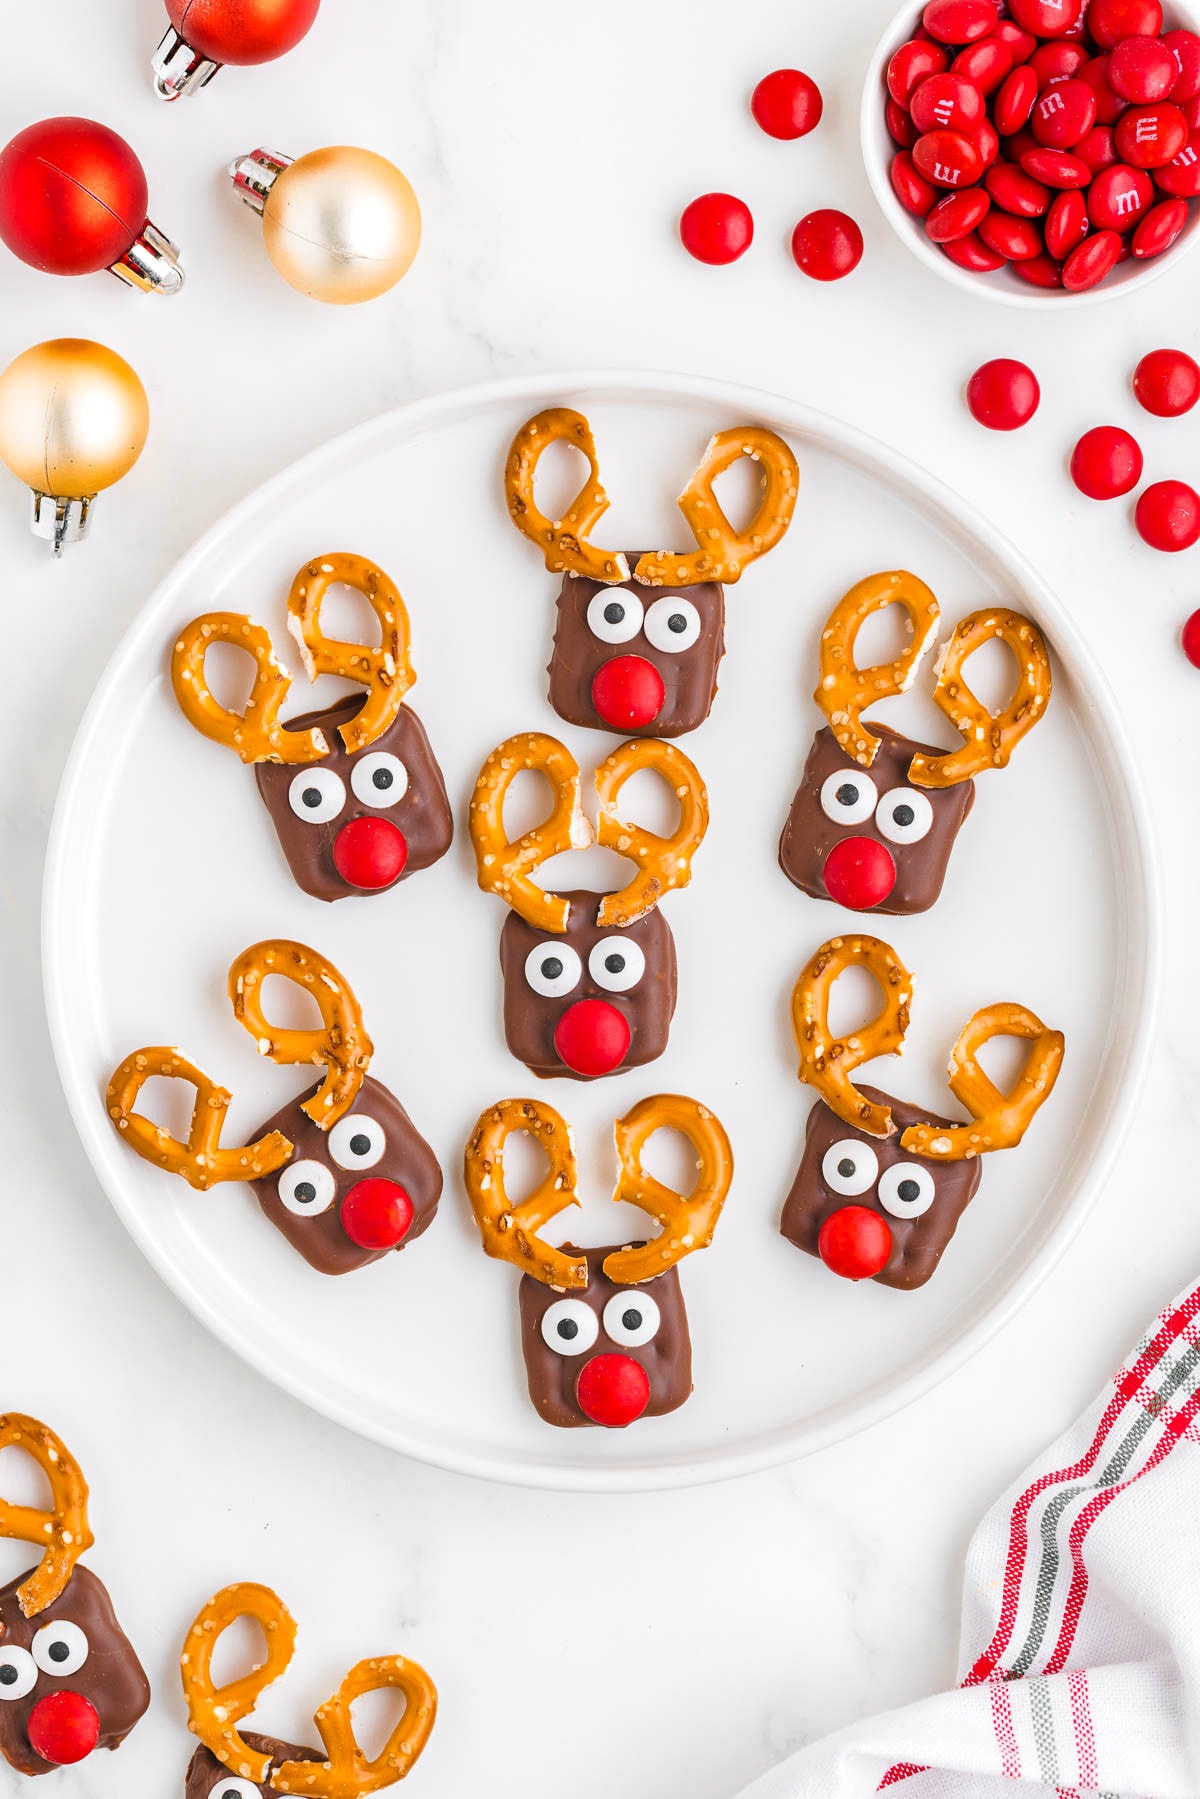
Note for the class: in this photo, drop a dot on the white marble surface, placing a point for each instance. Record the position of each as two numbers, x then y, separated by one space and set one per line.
656 1644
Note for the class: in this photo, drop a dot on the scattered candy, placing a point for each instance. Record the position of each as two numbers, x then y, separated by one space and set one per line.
1167 383
1168 516
1067 224
1160 227
1095 258
1109 21
910 187
716 228
1106 463
1017 240
913 63
1185 48
1046 18
957 215
1190 638
1142 69
960 21
827 245
788 104
1119 197
1003 395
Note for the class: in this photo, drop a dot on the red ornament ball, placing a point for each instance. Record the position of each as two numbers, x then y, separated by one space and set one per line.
73 196
613 1390
242 32
1168 516
855 1243
1167 383
1106 463
859 873
827 245
1190 638
376 1214
716 228
787 104
1003 395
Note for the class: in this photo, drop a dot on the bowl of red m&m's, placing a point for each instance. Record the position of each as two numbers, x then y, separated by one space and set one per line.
1040 152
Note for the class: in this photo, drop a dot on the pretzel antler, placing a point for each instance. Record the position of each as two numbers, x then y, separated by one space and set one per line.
564 542
663 862
347 1773
724 553
214 1713
342 1046
689 1220
827 1062
513 1233
504 867
256 734
1001 1119
201 1160
990 737
845 691
62 1534
387 673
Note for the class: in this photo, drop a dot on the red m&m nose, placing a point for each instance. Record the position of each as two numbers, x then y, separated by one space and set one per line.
376 1214
370 853
859 873
628 692
855 1243
592 1037
63 1728
613 1390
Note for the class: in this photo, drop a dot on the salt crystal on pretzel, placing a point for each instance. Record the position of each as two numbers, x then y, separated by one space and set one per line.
214 1712
200 1160
845 691
724 553
827 1062
342 1045
989 739
62 1534
1001 1119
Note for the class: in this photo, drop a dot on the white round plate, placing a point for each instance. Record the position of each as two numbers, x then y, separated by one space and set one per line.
163 866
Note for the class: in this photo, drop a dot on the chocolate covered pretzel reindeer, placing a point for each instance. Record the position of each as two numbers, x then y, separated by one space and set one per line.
70 1682
876 815
354 790
341 1170
230 1764
589 980
627 656
882 1185
604 1331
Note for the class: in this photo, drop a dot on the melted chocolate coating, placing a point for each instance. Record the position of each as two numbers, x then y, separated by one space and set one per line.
407 1160
112 1678
422 815
553 1378
808 835
530 1019
917 1243
207 1778
690 677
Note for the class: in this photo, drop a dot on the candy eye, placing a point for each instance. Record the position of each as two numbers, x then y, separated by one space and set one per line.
357 1141
906 1190
632 1319
672 625
848 797
616 964
614 615
553 969
850 1167
379 780
60 1648
570 1327
229 1786
18 1673
904 816
316 795
306 1188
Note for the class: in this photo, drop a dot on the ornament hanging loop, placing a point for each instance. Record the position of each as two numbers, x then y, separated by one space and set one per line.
151 263
255 174
178 69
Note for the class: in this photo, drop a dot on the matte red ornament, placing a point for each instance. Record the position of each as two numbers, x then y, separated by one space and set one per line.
205 34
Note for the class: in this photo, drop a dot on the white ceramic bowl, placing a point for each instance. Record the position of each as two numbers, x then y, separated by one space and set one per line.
1003 285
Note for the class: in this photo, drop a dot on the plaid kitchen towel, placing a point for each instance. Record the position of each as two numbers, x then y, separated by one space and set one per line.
1080 1650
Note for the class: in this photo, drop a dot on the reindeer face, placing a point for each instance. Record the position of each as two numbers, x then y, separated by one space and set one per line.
591 1001
359 824
69 1679
867 838
208 1779
349 1195
871 1209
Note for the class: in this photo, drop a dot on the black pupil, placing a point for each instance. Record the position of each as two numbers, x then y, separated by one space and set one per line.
359 1145
909 1192
311 797
615 963
904 815
677 622
847 794
845 1168
632 1319
59 1652
567 1329
305 1192
614 613
382 777
8 1674
552 968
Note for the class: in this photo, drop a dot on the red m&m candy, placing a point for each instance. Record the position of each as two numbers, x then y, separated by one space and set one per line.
1064 114
960 21
912 64
973 254
1118 197
1109 21
1160 227
985 63
1142 69
1167 383
1168 516
716 228
1088 265
956 215
1015 101
787 104
1014 191
947 102
1039 271
1003 394
948 159
1149 136
1106 463
1190 638
910 187
1181 176
1067 224
1013 238
827 245
1046 18
1056 62
1185 48
1057 168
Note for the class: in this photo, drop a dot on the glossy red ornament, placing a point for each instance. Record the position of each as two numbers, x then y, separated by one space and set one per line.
985 63
901 129
628 692
960 21
787 104
716 228
206 34
376 1214
1067 224
1039 271
1185 48
1013 238
1065 113
1106 463
613 1390
1045 18
956 215
1003 394
859 871
592 1037
1015 101
855 1243
1014 191
1190 639
1057 168
827 245
912 64
370 853
1109 21
910 187
948 102
1092 263
948 159
1167 516
1181 176
973 254
1167 383
63 1728
1160 228
1052 63
1119 197
1150 136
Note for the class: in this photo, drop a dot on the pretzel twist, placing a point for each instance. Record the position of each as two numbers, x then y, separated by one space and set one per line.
256 734
386 673
845 691
505 867
564 542
342 1046
512 1233
347 1773
663 862
201 1160
827 1062
725 553
1001 1119
989 737
688 1221
214 1713
62 1534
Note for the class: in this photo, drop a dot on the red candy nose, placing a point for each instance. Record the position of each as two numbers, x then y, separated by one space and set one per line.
370 853
376 1214
855 1243
628 692
613 1390
63 1728
859 873
592 1037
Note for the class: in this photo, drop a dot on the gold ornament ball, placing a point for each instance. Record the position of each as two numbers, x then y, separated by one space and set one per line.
73 417
342 225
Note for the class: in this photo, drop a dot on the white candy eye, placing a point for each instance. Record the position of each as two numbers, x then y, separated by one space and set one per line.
672 625
229 1786
906 1190
614 615
316 795
850 1167
616 964
553 970
306 1188
570 1327
904 816
60 1647
379 780
357 1141
18 1673
848 797
632 1319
